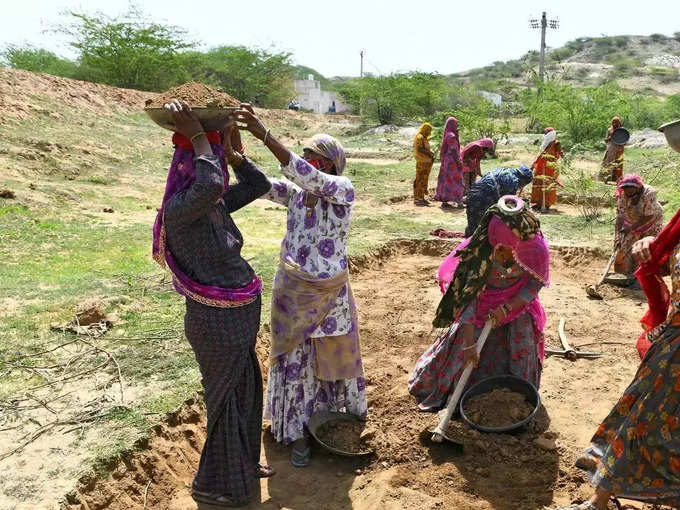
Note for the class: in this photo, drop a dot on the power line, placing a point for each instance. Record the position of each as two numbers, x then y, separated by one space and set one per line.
544 23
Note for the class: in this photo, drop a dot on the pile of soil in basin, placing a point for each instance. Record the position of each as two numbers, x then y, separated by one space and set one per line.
196 94
497 408
347 436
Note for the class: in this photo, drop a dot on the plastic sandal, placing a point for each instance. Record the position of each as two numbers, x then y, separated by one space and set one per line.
300 459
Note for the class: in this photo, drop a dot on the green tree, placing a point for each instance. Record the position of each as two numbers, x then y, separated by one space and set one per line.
397 97
38 60
127 51
581 114
261 77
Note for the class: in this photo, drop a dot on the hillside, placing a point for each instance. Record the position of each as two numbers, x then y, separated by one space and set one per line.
649 64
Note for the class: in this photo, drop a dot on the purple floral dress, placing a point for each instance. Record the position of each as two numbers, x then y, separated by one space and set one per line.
316 236
319 214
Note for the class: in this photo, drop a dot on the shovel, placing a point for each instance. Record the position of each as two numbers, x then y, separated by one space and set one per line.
591 289
439 433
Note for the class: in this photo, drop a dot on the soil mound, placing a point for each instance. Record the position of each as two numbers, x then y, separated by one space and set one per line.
196 94
20 89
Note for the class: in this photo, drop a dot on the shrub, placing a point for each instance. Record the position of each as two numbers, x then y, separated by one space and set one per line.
38 60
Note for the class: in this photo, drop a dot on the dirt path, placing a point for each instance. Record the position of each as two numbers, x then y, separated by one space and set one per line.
396 292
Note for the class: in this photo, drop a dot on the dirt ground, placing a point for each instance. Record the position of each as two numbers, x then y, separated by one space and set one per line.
396 292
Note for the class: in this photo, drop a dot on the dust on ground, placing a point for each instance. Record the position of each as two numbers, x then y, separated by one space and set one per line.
196 94
397 293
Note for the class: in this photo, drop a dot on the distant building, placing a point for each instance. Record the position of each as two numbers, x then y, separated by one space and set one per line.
492 97
311 97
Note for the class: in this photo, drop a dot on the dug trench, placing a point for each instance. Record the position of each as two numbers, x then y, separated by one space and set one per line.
397 293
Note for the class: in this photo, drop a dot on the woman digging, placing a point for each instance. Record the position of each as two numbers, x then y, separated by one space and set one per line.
472 155
635 452
495 275
638 214
315 358
196 237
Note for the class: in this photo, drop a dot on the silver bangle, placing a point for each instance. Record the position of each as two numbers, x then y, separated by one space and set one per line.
266 135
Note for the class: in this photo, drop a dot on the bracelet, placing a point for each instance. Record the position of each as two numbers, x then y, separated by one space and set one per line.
200 133
266 135
469 347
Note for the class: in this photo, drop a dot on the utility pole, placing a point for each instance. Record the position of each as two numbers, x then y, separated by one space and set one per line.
361 72
543 24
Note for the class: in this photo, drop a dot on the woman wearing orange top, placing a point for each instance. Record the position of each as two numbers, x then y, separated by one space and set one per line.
544 187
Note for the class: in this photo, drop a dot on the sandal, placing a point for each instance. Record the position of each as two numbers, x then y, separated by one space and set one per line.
263 471
300 459
214 499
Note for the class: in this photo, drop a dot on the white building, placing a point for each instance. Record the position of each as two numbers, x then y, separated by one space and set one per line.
311 97
492 97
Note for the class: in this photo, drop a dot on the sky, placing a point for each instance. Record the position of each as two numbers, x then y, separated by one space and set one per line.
444 36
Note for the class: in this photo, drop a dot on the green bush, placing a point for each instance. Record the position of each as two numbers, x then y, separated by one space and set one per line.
38 60
397 97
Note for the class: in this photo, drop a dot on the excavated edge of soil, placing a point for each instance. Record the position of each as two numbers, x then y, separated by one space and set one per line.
190 410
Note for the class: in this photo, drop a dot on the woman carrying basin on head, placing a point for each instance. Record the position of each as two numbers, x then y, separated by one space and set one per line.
196 238
315 357
494 275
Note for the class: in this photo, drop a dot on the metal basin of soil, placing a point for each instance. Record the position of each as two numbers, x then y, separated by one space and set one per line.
510 382
320 418
212 119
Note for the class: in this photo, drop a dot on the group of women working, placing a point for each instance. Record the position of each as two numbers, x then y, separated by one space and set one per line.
315 362
459 169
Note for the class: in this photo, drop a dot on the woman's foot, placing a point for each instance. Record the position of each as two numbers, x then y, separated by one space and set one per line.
421 202
300 453
263 471
446 205
214 499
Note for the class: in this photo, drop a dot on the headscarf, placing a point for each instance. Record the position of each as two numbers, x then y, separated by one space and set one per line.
521 232
425 130
628 180
483 143
549 137
616 122
524 175
330 148
181 175
451 127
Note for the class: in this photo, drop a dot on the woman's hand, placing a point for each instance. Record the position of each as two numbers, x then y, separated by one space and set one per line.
233 158
469 347
250 122
470 356
497 315
641 251
185 118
